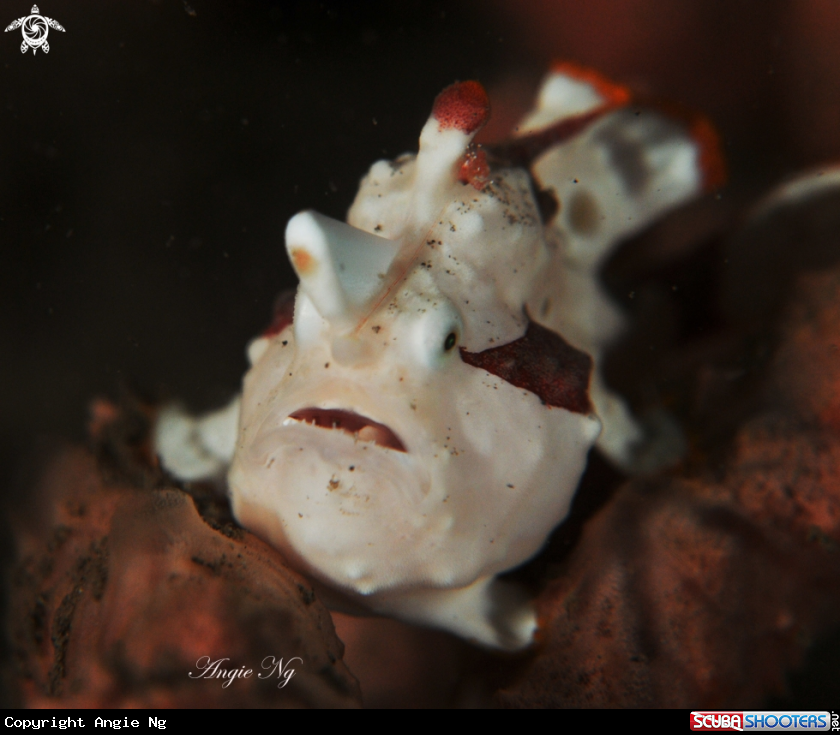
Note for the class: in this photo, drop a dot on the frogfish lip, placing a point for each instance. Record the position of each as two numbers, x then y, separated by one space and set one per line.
362 427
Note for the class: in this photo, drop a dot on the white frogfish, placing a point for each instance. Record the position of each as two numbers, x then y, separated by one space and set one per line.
418 417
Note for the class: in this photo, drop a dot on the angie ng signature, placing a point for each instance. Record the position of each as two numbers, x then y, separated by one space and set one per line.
209 669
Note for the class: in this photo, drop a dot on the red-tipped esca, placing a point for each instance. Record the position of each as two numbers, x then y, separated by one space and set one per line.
463 105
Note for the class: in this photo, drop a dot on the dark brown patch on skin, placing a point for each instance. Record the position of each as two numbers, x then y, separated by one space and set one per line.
584 213
548 204
543 363
523 151
284 312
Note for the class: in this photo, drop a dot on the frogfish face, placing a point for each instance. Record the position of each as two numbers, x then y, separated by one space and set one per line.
382 460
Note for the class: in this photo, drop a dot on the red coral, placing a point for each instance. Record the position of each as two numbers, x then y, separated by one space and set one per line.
704 590
128 591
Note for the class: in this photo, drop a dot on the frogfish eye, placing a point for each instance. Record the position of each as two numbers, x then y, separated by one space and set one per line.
450 341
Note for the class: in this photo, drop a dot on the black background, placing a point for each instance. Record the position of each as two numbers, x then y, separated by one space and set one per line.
150 162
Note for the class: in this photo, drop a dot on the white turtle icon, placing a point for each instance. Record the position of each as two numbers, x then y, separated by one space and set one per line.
35 28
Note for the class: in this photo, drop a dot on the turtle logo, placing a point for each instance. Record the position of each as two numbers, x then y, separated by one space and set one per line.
36 27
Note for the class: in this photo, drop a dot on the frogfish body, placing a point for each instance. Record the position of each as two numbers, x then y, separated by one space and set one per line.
418 417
